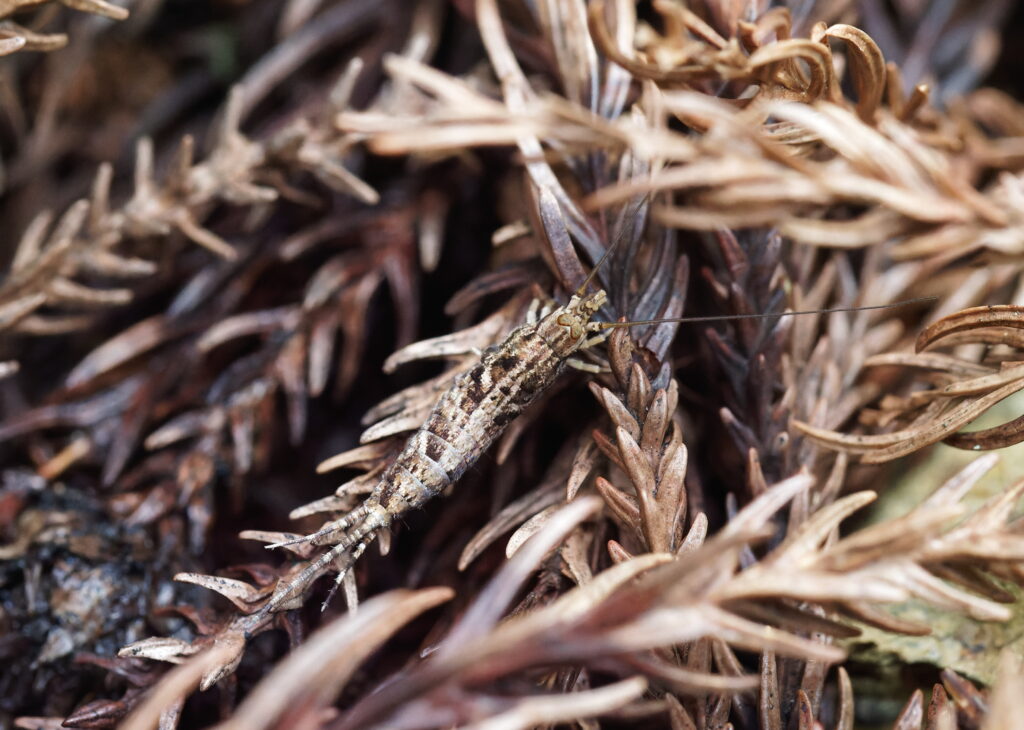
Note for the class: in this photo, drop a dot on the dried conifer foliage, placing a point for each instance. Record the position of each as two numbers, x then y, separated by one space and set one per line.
253 245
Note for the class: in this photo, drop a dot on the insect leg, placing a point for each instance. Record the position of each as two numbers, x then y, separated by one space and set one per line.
344 569
331 527
531 313
313 571
595 340
310 573
365 520
586 367
349 520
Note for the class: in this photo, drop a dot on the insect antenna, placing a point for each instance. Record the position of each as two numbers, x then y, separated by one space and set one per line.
726 317
611 249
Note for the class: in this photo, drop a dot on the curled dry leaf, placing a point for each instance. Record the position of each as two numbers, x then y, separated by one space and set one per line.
961 391
639 136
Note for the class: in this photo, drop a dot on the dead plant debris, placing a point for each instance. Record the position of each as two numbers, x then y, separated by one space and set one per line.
327 212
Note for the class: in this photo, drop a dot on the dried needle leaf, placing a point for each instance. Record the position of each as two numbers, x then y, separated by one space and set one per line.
331 656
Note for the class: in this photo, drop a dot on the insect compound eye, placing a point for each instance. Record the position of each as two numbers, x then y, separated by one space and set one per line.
573 323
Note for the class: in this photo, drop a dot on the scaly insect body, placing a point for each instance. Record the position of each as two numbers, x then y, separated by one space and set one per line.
463 423
467 419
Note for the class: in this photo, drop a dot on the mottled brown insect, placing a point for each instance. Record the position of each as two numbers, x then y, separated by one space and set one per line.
464 422
470 415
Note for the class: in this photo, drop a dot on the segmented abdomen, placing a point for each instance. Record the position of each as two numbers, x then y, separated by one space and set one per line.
468 418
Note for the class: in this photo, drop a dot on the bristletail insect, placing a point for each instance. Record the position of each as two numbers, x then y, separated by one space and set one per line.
470 415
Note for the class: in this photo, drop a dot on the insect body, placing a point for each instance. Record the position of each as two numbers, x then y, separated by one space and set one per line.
460 427
469 416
